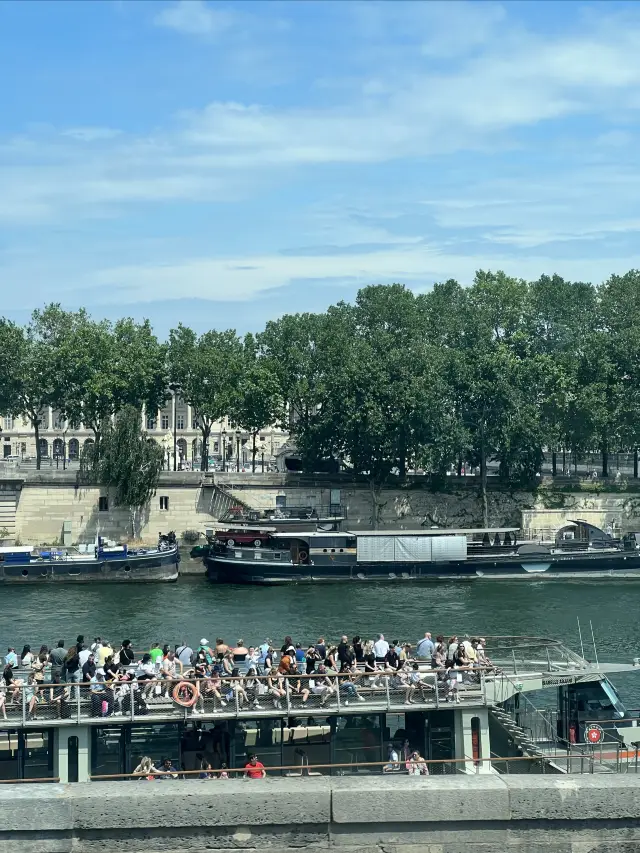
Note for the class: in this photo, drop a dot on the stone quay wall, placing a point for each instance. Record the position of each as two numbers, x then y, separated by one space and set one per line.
36 505
459 814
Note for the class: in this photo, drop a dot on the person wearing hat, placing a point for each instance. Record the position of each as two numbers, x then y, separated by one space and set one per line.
206 651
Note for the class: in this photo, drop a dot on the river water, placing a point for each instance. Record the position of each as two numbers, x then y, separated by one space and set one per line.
194 608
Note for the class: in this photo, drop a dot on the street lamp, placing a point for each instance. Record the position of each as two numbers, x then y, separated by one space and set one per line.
262 449
224 449
174 387
238 433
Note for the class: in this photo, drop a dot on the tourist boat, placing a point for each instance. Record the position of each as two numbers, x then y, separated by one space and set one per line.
536 707
269 555
101 562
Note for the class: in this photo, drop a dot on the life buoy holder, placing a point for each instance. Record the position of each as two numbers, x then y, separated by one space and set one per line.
302 556
185 694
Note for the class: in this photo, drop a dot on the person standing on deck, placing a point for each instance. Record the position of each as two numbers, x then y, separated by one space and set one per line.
380 649
425 647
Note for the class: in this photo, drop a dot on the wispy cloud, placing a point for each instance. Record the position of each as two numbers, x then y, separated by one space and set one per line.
195 18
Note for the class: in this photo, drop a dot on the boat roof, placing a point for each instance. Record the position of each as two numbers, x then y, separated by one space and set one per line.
312 534
436 531
16 549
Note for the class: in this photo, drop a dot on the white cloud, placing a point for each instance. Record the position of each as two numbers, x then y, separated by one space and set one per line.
195 17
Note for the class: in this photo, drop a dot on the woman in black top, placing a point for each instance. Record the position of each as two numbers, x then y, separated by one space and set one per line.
357 649
126 653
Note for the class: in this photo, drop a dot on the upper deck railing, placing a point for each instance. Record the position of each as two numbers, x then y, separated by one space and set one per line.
236 698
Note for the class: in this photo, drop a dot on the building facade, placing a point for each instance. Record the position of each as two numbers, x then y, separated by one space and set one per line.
174 427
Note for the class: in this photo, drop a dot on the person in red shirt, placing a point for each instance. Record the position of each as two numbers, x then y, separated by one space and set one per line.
254 769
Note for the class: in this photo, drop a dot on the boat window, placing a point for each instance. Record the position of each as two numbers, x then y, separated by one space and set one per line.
277 555
237 553
103 503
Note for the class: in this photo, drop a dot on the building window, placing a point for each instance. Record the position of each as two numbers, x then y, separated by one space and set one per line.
165 421
164 502
263 438
151 423
8 422
179 421
103 503
195 423
59 422
216 447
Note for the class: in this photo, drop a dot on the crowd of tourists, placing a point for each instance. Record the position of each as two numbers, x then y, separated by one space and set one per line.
246 674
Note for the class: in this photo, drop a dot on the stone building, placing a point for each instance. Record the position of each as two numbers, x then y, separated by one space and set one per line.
175 420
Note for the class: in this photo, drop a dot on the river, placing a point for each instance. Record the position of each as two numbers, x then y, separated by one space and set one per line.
193 608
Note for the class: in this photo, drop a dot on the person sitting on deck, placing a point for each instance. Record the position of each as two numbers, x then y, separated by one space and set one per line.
145 770
416 765
415 685
166 770
297 687
348 687
323 685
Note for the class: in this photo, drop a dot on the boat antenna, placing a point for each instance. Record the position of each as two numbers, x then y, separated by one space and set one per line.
580 635
593 639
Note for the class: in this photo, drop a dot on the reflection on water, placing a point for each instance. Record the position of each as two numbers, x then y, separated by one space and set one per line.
192 609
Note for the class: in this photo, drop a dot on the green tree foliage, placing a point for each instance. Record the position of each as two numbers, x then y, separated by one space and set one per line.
28 359
104 368
128 463
259 403
208 370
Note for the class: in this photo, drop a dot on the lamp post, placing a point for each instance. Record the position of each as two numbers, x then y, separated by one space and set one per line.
238 450
224 449
174 387
262 449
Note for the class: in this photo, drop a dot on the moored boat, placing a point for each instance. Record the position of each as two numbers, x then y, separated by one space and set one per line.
101 562
266 555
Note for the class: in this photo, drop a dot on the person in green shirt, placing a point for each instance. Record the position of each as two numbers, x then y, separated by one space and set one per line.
155 652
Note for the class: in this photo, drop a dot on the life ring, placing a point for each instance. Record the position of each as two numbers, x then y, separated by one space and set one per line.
303 556
179 691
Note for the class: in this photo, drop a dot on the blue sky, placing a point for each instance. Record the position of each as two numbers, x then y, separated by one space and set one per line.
223 163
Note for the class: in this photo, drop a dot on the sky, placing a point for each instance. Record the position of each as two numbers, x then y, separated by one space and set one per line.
222 163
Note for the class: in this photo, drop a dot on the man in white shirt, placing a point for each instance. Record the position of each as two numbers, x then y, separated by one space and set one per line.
83 656
380 649
425 647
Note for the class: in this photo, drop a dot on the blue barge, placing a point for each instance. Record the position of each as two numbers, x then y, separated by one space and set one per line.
98 563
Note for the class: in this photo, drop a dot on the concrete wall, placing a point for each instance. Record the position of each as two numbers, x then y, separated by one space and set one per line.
457 814
45 500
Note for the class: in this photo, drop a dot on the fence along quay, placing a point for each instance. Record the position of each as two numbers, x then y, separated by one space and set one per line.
480 720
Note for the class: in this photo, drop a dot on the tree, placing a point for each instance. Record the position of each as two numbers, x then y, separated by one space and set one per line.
105 368
28 357
259 402
128 463
208 371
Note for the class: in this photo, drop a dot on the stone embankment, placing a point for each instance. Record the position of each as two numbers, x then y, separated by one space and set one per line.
49 506
458 814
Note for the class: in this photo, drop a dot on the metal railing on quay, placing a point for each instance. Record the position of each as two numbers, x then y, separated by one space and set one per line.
28 781
238 697
400 767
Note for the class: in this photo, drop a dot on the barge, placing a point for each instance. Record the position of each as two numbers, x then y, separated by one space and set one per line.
268 555
101 562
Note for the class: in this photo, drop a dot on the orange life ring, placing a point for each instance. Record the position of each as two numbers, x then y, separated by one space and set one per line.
178 694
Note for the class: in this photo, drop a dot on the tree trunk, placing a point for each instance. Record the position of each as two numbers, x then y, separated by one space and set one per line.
374 504
605 459
204 456
36 431
459 466
483 479
553 463
635 463
253 454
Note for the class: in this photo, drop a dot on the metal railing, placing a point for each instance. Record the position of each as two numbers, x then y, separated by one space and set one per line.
401 767
240 697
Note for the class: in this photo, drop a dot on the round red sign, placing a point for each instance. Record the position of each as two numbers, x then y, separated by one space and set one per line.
594 734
